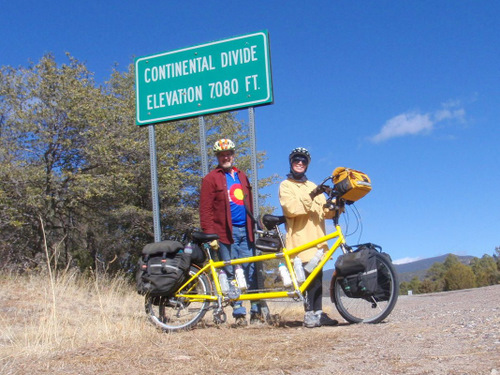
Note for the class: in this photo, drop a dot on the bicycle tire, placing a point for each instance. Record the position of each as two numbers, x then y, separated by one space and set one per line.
361 310
172 314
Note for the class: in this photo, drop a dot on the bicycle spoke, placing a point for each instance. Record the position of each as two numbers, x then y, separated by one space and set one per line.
357 310
173 314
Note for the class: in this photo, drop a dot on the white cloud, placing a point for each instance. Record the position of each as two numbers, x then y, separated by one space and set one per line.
446 114
407 123
413 123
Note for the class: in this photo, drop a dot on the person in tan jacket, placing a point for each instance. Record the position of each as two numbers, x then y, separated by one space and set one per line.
303 204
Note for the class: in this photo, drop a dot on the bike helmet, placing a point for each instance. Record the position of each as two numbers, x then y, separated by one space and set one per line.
223 145
300 151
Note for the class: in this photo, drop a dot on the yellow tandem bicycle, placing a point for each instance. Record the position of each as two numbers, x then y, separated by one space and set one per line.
202 291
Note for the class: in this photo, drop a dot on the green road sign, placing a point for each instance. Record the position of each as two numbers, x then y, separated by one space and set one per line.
214 77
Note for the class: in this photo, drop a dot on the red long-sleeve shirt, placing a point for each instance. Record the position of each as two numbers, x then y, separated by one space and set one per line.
215 210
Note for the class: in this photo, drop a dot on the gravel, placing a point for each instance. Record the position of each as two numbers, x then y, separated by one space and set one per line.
440 333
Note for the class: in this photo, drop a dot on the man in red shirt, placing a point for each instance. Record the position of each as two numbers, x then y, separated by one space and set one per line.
225 192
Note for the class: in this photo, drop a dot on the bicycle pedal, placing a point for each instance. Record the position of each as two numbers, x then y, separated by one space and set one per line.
220 317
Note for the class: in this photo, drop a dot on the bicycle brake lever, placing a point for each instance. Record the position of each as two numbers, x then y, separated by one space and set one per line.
328 189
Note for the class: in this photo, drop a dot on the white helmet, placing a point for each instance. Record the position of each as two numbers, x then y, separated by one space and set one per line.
223 145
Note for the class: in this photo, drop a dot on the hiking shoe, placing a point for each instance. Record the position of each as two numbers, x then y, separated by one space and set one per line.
239 311
255 314
311 320
325 320
240 321
256 318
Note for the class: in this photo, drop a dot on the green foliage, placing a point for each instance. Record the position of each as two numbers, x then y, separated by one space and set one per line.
413 285
459 276
75 169
404 287
450 261
435 275
436 271
429 286
453 275
45 118
485 270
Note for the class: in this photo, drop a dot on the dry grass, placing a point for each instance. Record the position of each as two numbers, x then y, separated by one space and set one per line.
77 325
80 325
38 317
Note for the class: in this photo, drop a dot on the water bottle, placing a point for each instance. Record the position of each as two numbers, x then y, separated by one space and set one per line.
299 270
224 282
285 275
240 277
188 249
314 261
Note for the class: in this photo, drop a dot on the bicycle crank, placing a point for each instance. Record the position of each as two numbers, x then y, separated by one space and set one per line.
220 317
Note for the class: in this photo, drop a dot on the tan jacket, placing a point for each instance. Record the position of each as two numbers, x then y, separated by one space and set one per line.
305 217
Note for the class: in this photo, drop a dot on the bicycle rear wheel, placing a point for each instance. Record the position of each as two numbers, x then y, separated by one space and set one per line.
371 309
172 314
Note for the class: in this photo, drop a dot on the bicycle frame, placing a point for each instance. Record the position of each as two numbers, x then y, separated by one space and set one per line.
286 254
354 301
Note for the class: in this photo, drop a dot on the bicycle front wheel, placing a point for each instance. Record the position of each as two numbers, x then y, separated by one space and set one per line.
172 314
373 308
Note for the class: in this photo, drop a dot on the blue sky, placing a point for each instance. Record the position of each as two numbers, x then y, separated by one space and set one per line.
407 91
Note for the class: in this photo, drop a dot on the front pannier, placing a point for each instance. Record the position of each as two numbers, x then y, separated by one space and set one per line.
351 184
162 268
361 275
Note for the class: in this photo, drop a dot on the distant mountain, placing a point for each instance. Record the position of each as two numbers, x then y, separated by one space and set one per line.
406 271
419 268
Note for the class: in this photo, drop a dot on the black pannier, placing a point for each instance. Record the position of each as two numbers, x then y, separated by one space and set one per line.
198 256
162 268
361 275
269 242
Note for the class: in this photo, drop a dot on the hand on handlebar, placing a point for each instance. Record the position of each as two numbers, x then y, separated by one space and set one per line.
317 191
320 189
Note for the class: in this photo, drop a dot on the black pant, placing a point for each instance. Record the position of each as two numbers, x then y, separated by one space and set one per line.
314 294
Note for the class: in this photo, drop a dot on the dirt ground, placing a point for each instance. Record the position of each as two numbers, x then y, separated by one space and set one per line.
442 333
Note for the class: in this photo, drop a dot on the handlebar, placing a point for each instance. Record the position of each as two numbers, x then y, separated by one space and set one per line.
329 190
333 202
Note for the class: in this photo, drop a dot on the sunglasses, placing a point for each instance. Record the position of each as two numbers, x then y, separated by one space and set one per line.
299 160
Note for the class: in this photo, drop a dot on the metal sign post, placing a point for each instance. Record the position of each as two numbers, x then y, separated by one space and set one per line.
154 184
253 149
264 309
203 146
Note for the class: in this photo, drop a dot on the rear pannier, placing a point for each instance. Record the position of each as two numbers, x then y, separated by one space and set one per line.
162 268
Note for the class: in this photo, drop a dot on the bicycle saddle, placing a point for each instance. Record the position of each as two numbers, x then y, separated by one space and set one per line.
270 221
204 237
